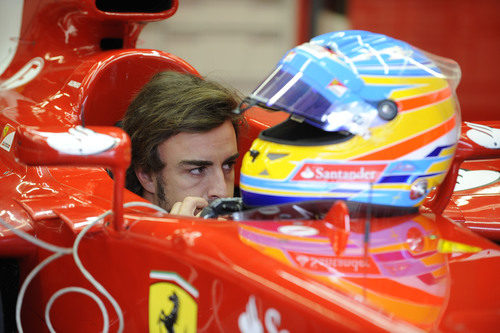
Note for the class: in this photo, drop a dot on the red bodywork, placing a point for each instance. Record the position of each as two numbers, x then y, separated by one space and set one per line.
150 269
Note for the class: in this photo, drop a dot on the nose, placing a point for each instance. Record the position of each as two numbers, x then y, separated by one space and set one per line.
218 185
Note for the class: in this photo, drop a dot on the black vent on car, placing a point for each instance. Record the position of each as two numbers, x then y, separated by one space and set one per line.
141 6
111 44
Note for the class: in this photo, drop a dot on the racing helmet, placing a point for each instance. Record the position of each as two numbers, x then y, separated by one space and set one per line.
372 119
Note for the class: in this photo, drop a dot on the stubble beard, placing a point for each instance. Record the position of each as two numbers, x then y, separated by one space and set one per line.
161 198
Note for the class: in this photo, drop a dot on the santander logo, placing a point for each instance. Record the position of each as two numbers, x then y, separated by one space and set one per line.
307 173
340 172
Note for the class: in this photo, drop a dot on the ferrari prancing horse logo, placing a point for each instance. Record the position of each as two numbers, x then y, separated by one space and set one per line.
171 307
7 137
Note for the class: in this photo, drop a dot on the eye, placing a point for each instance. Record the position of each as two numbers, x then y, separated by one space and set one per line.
228 166
197 171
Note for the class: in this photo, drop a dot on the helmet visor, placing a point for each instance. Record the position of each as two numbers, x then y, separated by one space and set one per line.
288 92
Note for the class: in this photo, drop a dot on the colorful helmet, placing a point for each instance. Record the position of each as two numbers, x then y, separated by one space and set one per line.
373 119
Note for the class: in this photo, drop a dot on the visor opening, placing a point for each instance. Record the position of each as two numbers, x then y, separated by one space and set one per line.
291 132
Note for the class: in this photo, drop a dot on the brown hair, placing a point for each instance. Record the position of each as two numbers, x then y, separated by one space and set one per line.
171 103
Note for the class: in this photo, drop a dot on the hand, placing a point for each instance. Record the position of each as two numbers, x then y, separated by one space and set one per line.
190 206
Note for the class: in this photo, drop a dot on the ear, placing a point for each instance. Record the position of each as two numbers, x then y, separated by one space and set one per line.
147 180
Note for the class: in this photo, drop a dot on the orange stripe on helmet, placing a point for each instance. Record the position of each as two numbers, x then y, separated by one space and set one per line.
423 100
411 144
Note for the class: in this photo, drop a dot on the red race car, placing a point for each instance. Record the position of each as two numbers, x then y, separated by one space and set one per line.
79 253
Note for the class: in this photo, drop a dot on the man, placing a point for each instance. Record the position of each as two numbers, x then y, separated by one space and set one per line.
183 132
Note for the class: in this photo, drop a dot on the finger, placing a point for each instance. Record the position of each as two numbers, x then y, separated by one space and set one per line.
176 207
192 205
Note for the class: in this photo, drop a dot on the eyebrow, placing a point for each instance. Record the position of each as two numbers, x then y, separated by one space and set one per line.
201 163
232 158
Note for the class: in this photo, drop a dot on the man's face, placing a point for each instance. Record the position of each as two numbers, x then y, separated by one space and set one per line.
198 165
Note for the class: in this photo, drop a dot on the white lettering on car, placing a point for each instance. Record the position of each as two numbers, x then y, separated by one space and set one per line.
250 322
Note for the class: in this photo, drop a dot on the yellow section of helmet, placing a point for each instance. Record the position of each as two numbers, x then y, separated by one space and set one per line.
418 84
263 166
